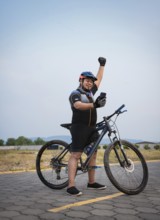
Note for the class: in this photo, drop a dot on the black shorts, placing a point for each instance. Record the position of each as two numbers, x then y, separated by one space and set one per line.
82 135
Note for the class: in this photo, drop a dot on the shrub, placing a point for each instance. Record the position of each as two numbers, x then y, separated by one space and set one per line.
146 147
157 147
105 146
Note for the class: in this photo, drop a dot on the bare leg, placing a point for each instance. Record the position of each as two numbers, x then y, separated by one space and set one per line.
91 172
72 167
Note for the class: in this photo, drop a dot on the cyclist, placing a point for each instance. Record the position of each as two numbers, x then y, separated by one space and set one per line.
83 124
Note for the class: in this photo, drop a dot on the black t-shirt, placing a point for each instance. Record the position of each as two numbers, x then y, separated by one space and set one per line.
87 117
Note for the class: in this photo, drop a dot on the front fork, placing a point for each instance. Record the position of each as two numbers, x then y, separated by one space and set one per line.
115 140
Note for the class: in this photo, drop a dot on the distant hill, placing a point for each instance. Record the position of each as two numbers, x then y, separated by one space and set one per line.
67 139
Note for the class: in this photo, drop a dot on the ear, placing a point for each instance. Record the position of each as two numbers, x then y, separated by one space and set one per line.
81 81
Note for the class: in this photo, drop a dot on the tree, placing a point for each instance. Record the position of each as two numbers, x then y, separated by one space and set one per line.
1 142
39 141
11 142
23 141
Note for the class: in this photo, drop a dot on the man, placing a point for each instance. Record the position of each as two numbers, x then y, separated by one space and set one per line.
83 124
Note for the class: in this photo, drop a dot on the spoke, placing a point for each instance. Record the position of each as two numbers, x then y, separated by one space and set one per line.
130 178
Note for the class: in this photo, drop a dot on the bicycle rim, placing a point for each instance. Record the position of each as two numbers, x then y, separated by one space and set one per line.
130 179
53 173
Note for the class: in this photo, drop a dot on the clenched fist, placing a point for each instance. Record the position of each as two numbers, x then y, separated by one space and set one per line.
102 61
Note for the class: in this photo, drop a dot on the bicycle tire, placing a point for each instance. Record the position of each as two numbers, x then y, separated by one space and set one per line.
131 179
52 173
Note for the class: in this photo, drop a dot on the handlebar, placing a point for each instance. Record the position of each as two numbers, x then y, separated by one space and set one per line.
118 111
105 119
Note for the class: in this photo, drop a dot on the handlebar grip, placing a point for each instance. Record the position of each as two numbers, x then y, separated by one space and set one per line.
118 110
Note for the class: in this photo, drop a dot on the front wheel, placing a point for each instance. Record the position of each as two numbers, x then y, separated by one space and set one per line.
126 167
52 164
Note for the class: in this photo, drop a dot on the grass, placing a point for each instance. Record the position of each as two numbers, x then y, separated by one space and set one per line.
148 155
17 160
24 160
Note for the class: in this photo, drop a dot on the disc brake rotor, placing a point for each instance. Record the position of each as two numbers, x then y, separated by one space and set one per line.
129 168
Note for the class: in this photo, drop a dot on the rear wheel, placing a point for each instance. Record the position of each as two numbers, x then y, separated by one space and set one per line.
129 177
52 164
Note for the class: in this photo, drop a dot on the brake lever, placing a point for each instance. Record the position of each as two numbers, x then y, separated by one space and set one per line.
123 111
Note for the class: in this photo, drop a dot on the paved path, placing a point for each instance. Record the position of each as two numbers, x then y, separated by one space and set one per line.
24 197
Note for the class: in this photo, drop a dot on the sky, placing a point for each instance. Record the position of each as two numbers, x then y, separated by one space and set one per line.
46 44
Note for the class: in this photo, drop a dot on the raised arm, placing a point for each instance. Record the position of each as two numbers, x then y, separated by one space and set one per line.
99 75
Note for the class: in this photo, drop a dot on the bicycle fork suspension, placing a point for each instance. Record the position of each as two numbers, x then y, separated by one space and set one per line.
123 153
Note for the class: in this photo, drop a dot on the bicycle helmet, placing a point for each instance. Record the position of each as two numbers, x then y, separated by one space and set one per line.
89 75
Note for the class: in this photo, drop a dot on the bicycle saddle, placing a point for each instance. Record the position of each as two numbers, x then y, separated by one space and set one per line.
68 125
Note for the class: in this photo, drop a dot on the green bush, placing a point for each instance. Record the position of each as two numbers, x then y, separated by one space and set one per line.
105 146
157 147
146 147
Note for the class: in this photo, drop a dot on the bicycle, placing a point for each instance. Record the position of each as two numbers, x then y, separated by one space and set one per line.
124 164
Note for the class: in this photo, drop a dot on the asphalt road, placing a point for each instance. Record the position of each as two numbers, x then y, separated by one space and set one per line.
24 197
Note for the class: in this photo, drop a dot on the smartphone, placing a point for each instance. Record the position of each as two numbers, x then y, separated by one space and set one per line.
103 95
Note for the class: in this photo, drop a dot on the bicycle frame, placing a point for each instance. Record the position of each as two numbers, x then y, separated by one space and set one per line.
104 127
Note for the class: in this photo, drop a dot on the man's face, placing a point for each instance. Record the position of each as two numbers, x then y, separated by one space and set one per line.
87 84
